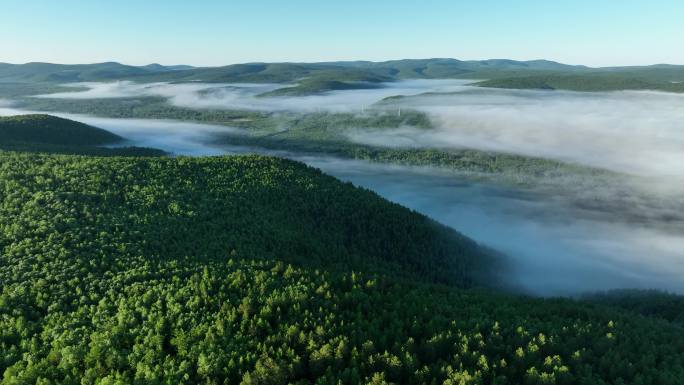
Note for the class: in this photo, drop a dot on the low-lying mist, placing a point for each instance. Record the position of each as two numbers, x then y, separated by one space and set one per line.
553 249
557 249
633 132
245 96
174 137
637 132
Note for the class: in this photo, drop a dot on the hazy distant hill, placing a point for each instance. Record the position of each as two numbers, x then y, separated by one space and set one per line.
272 72
156 67
63 73
452 68
47 72
315 86
356 70
53 130
312 78
595 81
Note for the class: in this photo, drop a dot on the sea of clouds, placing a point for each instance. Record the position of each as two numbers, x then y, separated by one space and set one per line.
637 132
556 249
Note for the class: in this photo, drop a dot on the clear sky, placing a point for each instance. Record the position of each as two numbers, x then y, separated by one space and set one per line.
214 32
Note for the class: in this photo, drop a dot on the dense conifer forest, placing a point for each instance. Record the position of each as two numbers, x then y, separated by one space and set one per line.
255 270
50 134
53 130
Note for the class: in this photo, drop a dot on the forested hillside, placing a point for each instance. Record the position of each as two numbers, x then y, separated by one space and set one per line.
274 72
46 133
254 270
591 82
315 78
63 73
53 130
313 87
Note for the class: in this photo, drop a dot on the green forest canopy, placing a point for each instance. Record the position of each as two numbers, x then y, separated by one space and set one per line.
256 270
51 134
592 82
315 78
49 129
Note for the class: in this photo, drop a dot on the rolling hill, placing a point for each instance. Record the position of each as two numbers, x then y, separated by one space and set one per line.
47 133
316 86
276 72
259 270
256 270
315 78
49 129
69 73
65 73
590 82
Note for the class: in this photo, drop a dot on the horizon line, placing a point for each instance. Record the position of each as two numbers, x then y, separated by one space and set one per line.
342 61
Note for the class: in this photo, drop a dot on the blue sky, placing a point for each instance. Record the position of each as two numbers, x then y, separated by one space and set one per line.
213 32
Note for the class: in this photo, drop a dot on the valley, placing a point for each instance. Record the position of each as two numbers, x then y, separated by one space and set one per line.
369 223
553 217
341 192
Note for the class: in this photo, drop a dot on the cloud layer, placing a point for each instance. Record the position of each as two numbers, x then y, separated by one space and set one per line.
557 248
634 132
244 96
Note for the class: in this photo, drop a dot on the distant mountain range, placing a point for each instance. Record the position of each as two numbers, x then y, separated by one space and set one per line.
542 74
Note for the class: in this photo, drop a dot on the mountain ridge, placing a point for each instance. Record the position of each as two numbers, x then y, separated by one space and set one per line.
281 72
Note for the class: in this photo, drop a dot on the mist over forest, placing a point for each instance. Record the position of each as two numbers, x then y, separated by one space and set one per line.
341 193
636 132
586 232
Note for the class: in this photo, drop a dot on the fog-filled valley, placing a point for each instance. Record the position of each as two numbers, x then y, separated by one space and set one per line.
341 193
252 96
637 132
612 222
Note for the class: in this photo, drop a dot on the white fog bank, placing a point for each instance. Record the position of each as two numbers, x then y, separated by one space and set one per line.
633 132
243 96
556 249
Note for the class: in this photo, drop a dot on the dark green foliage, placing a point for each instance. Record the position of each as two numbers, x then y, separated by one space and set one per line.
605 81
265 207
651 303
46 129
80 150
252 270
50 134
